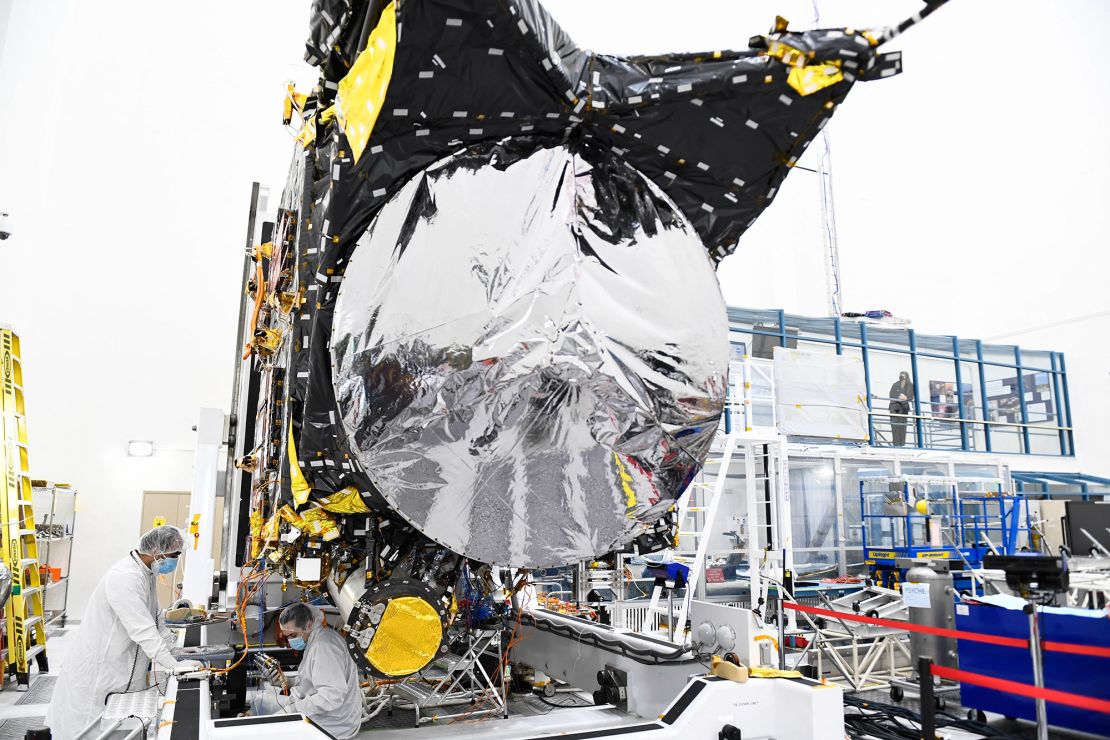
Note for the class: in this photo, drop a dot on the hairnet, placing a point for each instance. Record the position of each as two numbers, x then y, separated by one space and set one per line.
303 617
161 540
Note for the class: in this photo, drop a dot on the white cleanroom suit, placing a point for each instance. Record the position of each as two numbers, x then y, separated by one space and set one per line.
122 627
326 689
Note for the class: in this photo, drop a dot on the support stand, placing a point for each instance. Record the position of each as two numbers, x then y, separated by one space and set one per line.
1038 668
1037 578
928 701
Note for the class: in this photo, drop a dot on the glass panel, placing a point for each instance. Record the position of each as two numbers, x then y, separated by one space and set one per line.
761 393
1001 353
730 530
821 328
1035 359
855 352
1044 442
813 517
973 405
942 405
924 468
969 349
852 472
934 345
1003 406
892 396
749 317
766 335
1006 439
1040 406
882 336
827 348
976 471
849 332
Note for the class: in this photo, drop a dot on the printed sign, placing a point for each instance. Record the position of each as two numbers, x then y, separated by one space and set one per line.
916 595
714 575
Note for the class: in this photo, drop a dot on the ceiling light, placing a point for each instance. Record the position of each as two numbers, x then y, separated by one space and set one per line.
140 448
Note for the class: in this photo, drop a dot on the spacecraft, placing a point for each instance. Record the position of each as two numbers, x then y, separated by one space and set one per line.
487 324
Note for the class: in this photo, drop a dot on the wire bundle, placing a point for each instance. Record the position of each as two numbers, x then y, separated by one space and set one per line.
475 607
871 719
250 584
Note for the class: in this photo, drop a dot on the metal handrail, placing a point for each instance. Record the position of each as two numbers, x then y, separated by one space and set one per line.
959 420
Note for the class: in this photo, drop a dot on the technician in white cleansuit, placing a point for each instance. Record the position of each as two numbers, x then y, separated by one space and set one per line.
326 689
121 629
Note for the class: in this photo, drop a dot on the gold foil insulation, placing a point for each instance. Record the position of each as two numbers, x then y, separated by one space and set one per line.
407 637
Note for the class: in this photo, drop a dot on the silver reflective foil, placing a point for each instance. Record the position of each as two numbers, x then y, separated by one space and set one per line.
529 352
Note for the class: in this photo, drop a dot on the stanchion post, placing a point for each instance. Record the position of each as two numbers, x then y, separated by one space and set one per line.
782 629
928 701
1038 668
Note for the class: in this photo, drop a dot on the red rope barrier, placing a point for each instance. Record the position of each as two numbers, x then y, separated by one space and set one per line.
1024 689
1067 647
942 631
1018 642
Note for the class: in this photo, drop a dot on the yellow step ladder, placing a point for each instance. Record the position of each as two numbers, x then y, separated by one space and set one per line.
26 628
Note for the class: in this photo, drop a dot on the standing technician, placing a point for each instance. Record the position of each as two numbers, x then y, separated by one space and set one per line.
121 630
901 398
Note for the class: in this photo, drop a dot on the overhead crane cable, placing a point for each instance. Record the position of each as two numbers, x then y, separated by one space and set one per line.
828 212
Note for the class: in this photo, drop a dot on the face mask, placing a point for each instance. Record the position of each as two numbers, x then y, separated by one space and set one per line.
297 643
166 566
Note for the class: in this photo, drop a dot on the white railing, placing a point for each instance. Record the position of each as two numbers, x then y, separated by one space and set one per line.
636 616
751 394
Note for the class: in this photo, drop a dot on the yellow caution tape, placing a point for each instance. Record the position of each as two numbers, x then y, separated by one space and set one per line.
362 90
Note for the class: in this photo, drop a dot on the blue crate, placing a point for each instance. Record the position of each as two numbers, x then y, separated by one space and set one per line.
1078 674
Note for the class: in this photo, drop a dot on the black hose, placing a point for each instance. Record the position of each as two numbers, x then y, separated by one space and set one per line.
640 655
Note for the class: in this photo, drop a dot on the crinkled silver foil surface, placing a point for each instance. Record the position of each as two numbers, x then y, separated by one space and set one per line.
529 352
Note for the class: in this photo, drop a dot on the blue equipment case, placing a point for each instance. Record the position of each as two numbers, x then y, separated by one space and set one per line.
1078 674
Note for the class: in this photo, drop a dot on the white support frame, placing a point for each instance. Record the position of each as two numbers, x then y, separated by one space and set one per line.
199 565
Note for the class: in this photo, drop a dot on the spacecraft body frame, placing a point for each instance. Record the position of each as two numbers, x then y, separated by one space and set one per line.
574 205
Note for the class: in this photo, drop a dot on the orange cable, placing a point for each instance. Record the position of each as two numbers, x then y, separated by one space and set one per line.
259 291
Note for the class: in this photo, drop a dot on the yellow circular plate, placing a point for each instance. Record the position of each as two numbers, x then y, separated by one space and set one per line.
407 638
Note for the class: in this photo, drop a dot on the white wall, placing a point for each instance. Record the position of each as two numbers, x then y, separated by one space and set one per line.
130 136
969 198
970 190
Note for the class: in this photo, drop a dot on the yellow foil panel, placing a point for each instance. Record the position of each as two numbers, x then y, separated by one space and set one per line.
297 482
813 77
347 501
362 90
408 637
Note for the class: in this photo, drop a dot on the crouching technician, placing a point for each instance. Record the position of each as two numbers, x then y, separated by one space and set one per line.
326 689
